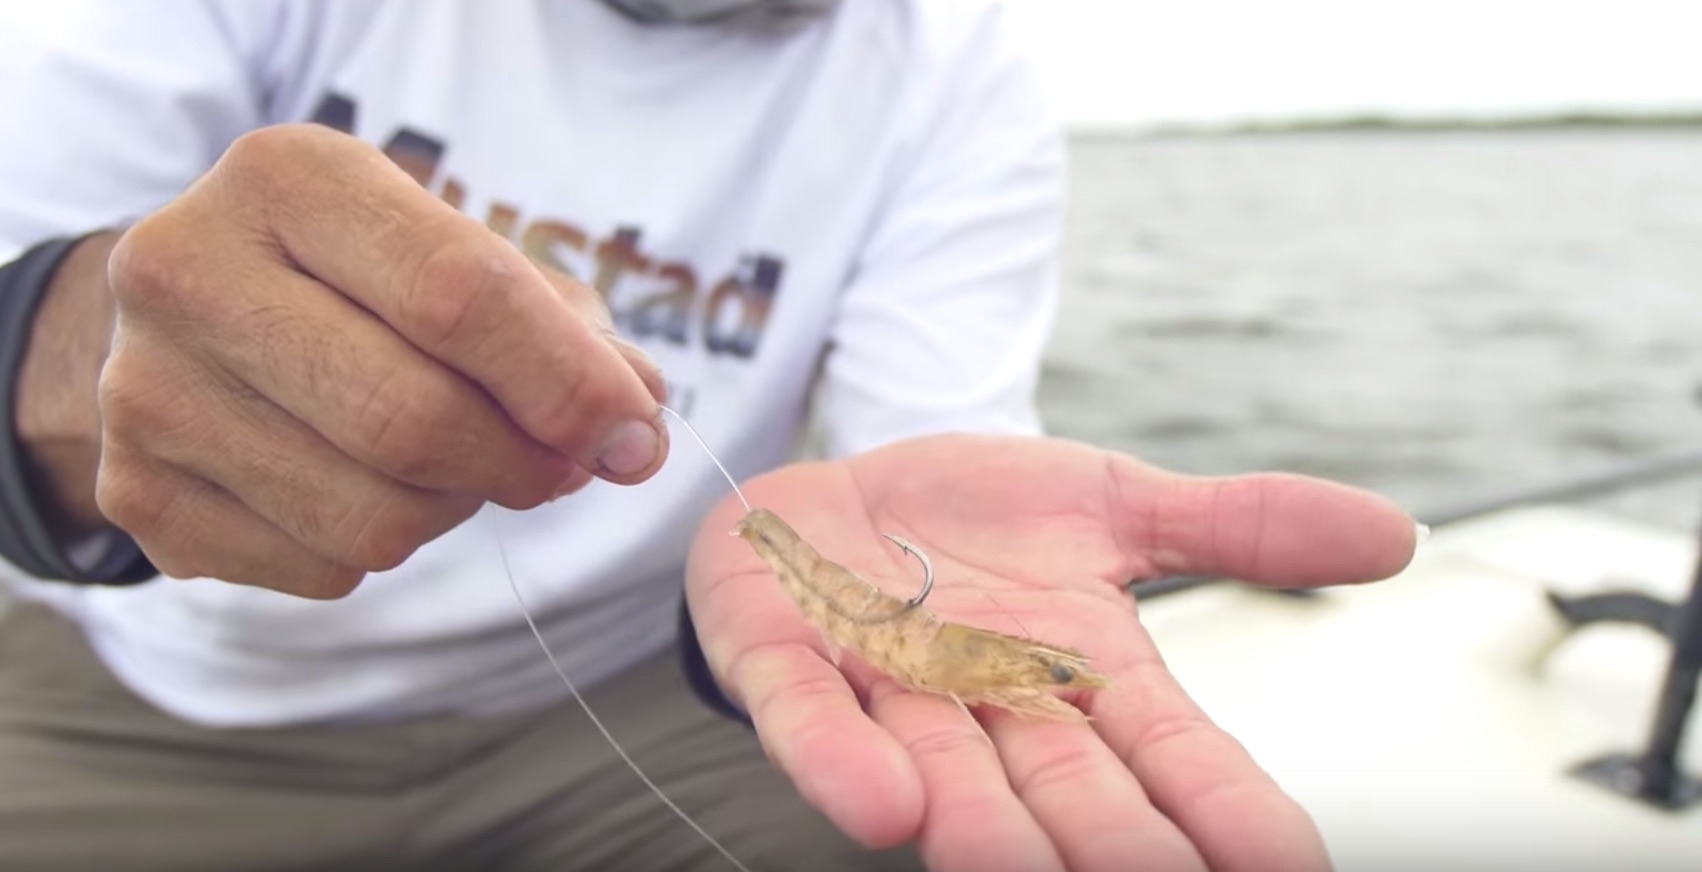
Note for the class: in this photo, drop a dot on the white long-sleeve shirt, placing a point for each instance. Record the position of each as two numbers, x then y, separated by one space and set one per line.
870 204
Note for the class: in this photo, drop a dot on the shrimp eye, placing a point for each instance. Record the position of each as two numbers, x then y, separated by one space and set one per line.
1062 674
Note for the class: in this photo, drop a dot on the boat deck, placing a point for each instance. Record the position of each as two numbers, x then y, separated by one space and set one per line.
1418 719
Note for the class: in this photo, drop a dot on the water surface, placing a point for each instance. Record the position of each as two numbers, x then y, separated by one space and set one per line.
1440 316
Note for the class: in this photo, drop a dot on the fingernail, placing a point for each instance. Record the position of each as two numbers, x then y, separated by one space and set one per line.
629 449
1423 532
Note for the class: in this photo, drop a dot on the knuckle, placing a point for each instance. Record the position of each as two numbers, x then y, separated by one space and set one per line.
283 166
1064 769
125 498
258 150
148 264
263 156
172 565
388 530
149 404
159 517
440 295
124 397
410 427
567 417
1171 728
382 546
945 742
330 581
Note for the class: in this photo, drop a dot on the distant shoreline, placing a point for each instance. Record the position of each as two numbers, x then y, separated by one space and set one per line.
1579 121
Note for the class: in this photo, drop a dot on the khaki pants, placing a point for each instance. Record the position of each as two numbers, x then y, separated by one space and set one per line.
93 778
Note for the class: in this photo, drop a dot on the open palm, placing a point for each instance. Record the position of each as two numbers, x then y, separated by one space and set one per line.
1034 537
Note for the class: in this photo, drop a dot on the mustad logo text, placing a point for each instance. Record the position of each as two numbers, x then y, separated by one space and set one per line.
649 298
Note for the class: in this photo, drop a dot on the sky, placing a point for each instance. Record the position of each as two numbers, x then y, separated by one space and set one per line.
1144 62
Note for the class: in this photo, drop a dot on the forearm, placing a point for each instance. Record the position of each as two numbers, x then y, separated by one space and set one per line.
57 414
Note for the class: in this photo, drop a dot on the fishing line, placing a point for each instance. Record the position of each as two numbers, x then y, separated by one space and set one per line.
712 458
580 698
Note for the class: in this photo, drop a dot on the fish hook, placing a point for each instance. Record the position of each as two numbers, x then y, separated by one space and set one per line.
927 568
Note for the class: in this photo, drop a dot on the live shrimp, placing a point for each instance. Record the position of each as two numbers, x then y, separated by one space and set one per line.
912 645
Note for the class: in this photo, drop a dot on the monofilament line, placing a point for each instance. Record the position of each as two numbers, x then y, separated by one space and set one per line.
712 458
580 698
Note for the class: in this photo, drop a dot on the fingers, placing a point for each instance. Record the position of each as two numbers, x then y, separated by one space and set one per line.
1083 795
190 528
455 290
973 823
1271 528
375 397
814 729
1203 779
302 498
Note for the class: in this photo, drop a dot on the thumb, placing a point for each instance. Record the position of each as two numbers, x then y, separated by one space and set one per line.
1269 528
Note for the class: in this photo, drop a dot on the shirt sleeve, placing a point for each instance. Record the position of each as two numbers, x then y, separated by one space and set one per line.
949 309
109 108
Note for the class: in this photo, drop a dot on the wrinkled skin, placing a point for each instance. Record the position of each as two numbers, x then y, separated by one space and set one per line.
317 367
1037 537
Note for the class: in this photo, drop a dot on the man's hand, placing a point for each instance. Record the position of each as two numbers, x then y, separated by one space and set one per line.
317 367
1038 538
